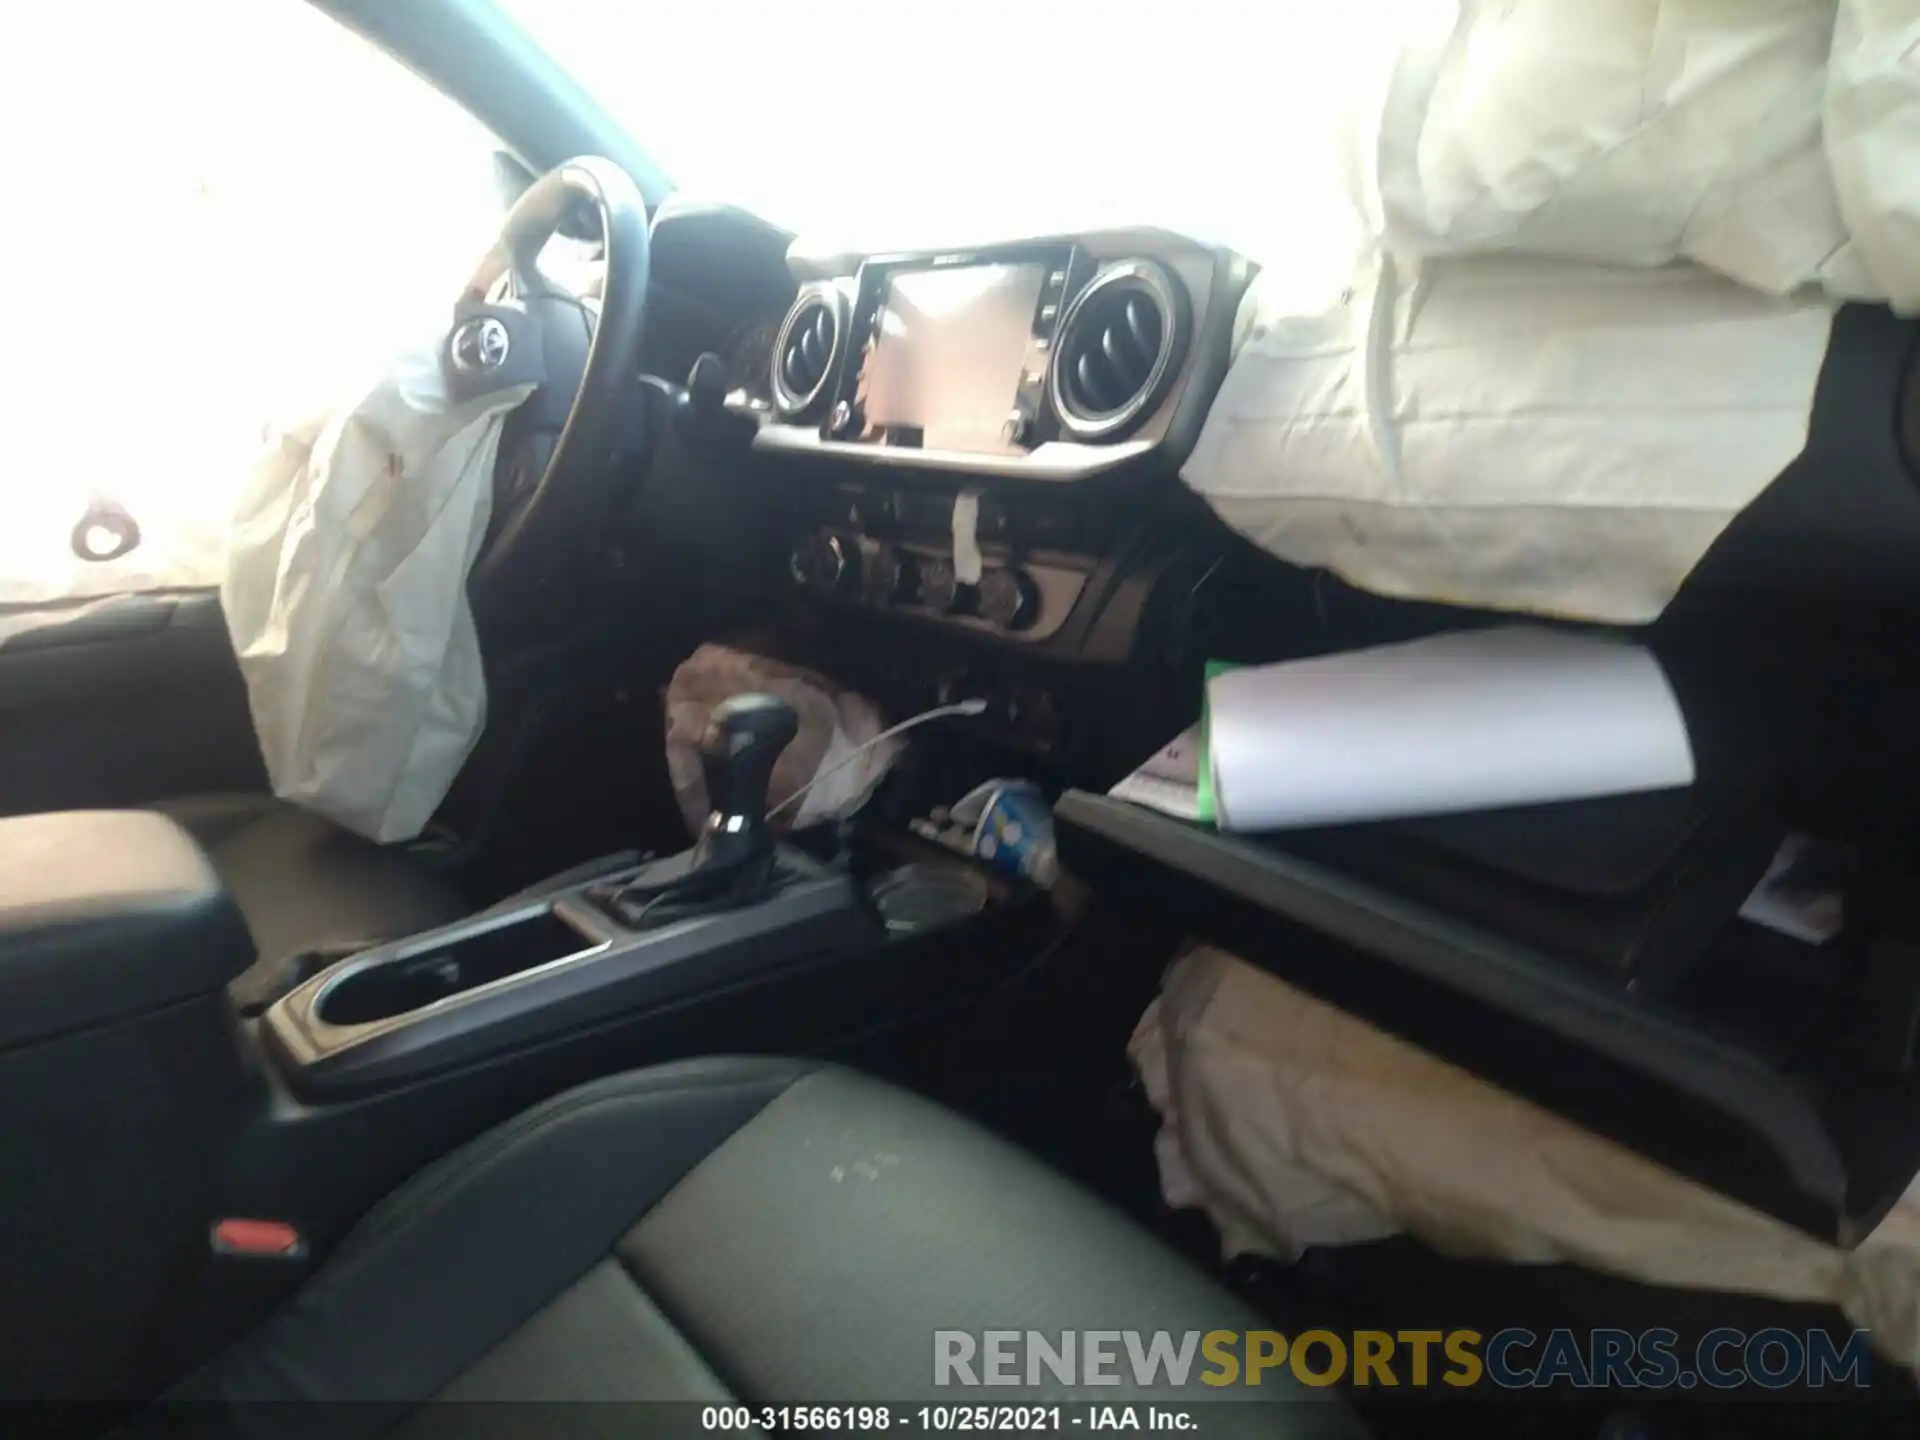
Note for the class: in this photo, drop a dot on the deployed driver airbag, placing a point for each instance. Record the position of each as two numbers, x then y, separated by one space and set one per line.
345 596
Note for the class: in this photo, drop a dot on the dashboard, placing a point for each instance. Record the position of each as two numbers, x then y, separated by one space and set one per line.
981 411
952 468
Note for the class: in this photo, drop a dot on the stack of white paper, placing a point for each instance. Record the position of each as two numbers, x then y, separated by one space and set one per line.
1474 721
1170 780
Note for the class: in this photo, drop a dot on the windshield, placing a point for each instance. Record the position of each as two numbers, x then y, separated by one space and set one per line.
931 122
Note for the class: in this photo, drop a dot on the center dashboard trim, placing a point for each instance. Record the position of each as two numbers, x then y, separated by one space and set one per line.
1057 460
1201 286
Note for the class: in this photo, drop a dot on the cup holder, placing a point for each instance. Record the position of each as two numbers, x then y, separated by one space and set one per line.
915 898
398 984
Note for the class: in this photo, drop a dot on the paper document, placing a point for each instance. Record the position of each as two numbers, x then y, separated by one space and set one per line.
1170 781
1803 894
1476 721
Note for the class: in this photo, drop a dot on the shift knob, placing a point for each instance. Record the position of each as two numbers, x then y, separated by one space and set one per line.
737 753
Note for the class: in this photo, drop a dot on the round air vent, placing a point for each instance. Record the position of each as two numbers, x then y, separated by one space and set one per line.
807 350
1117 350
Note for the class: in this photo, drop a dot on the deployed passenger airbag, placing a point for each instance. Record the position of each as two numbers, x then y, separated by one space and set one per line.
1603 248
1293 1125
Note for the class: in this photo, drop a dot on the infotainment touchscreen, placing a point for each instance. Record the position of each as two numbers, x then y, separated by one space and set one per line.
948 355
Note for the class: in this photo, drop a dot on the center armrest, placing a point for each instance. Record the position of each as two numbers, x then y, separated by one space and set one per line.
107 913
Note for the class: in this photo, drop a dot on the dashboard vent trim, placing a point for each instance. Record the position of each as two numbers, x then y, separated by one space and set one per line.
1118 349
806 354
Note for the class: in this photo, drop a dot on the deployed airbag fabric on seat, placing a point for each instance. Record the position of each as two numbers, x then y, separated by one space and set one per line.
1520 434
1294 1125
1604 245
345 597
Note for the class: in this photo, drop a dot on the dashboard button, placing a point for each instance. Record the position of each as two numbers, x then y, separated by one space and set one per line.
841 419
1009 598
896 575
826 564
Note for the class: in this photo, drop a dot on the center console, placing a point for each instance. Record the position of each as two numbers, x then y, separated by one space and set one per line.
734 907
140 1108
538 971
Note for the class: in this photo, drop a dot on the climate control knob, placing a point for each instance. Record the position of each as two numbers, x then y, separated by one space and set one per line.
896 575
1009 598
826 564
941 590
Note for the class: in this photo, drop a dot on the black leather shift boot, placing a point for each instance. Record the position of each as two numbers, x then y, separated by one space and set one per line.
659 899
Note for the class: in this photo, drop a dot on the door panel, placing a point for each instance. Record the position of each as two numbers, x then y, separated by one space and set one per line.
122 702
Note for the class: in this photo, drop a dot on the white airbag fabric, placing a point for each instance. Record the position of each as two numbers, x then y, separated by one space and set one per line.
345 596
1872 136
1293 1124
1603 242
1763 139
1514 433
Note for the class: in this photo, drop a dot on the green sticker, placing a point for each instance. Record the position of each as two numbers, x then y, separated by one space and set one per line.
1214 667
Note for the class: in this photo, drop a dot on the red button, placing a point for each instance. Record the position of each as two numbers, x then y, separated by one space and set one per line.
256 1237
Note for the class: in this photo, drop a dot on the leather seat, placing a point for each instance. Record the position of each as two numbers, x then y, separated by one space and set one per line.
305 884
734 1230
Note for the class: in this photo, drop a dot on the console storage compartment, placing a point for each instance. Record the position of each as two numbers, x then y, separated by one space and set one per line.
1727 1071
120 1086
533 973
822 968
449 962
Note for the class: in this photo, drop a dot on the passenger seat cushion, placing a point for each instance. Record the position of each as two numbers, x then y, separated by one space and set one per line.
764 1230
820 1249
304 883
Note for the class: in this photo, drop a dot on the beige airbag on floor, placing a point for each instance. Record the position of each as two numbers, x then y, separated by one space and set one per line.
1293 1124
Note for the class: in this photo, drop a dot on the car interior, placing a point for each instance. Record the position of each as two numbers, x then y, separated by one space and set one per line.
555 1103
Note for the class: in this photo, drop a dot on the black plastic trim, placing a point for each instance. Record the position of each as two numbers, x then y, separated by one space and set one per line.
1772 1149
817 915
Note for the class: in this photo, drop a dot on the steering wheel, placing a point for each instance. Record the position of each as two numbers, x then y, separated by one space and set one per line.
513 327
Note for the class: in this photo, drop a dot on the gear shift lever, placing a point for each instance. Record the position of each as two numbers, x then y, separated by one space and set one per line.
737 754
733 859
